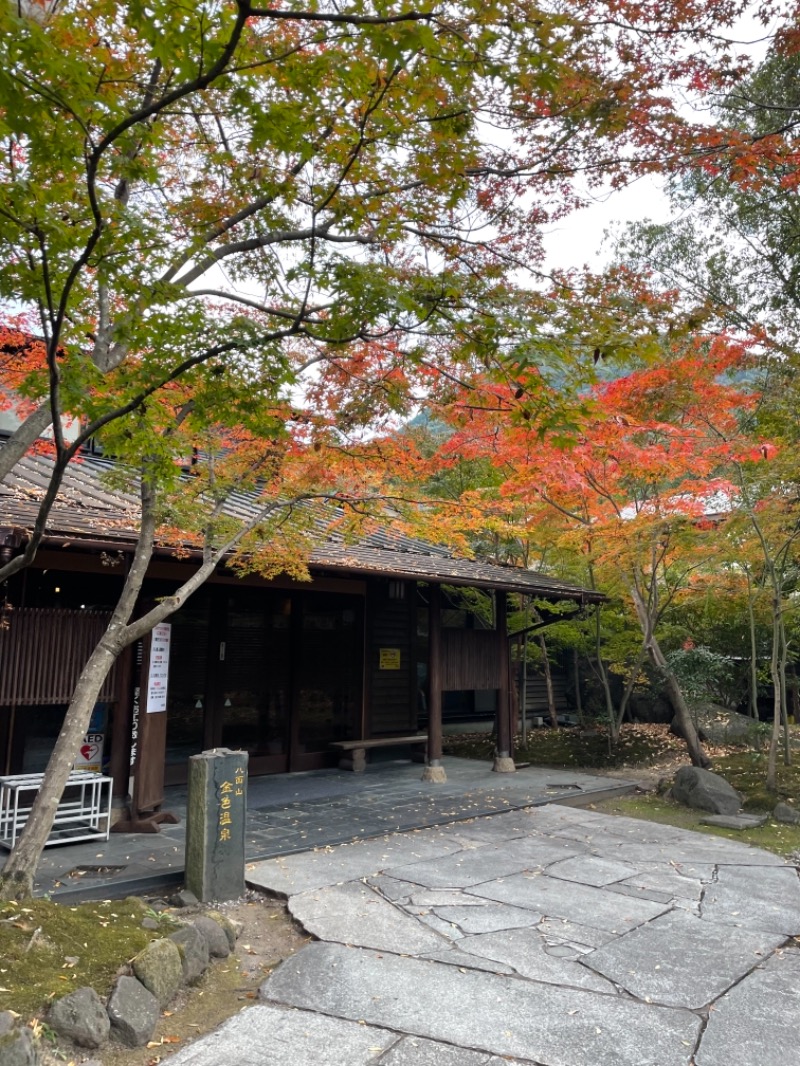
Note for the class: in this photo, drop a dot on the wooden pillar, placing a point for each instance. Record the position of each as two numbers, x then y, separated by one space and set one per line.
121 724
434 771
503 762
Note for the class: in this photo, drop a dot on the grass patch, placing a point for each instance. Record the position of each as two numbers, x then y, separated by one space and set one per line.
772 836
48 949
747 772
638 745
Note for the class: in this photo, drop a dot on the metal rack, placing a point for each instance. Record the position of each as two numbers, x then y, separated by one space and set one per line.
84 811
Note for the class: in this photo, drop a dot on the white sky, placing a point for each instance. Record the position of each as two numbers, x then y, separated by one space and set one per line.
577 239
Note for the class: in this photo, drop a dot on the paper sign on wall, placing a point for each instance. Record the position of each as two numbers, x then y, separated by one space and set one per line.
158 672
390 659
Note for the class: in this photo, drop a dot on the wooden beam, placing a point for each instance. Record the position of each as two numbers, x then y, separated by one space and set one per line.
434 771
503 762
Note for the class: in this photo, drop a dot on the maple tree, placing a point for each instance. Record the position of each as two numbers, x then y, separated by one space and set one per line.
203 206
648 457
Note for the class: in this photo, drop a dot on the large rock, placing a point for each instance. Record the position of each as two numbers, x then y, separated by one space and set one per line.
160 969
133 1012
786 814
81 1017
194 953
215 936
17 1047
705 791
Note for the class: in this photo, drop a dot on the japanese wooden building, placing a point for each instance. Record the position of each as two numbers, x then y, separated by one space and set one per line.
369 648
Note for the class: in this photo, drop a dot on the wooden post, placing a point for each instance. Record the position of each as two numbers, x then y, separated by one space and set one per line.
434 771
503 762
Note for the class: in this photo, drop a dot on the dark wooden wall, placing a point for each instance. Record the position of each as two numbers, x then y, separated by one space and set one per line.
42 653
471 659
392 694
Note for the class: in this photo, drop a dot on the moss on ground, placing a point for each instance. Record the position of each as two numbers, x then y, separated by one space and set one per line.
772 836
47 949
590 749
747 772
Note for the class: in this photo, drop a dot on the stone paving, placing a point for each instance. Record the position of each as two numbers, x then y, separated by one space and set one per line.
553 936
289 813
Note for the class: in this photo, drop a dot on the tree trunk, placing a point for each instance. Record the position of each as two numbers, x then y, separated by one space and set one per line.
22 438
577 677
626 695
753 651
777 696
782 664
676 697
603 675
548 680
16 879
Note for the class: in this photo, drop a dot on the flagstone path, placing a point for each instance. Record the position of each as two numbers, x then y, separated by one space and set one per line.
553 936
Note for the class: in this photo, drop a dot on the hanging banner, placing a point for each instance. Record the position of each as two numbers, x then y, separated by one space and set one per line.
158 670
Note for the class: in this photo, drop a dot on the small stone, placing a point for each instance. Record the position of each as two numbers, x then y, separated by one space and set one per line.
160 969
133 1012
184 898
215 936
150 923
81 1017
226 924
237 926
705 791
194 952
17 1047
786 814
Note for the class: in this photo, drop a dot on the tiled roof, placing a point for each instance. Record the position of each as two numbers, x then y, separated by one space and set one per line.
87 509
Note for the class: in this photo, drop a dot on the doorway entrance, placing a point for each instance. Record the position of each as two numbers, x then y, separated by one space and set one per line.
275 672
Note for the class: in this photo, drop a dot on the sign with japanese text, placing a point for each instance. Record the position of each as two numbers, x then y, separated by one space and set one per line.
389 658
158 672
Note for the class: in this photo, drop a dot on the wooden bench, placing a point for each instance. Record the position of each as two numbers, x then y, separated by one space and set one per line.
354 752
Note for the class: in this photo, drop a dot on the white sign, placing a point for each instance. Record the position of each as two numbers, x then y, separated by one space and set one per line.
158 674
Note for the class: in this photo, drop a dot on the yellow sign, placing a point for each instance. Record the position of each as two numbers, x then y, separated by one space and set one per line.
390 658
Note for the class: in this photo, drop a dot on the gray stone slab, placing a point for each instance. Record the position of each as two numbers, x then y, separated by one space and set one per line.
345 862
355 914
682 961
563 931
677 881
591 870
704 850
445 929
491 830
464 961
756 898
467 868
735 821
266 1034
490 918
413 1051
565 899
445 897
483 1012
525 950
640 893
756 1022
391 888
